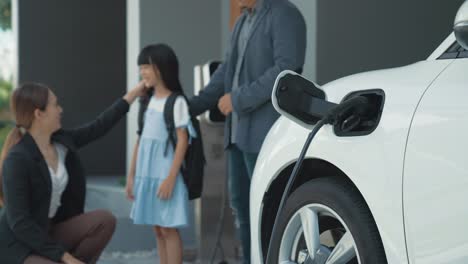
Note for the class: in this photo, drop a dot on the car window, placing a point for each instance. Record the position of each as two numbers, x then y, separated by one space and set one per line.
453 52
463 53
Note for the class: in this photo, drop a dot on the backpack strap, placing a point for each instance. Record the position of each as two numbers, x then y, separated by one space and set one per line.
169 120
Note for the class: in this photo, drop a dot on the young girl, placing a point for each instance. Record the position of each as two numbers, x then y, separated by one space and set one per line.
154 182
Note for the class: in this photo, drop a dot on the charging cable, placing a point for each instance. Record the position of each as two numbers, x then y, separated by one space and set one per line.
357 104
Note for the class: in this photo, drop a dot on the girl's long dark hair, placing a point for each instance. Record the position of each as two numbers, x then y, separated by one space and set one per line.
164 58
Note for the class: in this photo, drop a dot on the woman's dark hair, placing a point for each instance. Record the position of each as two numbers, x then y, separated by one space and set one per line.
24 101
164 58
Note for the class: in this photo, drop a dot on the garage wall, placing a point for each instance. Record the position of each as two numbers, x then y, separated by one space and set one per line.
361 35
192 28
69 46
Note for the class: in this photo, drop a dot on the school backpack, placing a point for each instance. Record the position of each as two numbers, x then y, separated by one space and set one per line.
194 163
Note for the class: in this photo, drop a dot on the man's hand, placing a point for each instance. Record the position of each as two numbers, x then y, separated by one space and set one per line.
225 104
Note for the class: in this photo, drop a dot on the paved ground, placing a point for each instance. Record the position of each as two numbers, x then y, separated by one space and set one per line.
149 257
136 244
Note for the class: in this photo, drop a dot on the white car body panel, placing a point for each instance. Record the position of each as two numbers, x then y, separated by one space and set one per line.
436 172
380 178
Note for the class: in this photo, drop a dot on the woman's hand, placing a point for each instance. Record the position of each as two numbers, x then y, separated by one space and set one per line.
166 188
138 90
129 188
69 259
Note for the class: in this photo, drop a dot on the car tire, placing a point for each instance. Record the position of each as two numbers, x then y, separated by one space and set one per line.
350 212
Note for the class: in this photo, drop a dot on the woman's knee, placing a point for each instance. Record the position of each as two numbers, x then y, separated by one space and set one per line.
107 219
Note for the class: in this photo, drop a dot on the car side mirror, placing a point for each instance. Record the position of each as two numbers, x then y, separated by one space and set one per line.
299 99
460 26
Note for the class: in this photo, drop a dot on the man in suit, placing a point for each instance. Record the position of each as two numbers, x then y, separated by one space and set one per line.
268 37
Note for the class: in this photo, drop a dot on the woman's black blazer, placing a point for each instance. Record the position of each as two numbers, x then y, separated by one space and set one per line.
27 190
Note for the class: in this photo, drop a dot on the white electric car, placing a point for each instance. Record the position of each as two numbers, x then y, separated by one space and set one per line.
388 187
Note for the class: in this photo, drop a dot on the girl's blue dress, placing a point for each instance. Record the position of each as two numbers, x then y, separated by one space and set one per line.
153 167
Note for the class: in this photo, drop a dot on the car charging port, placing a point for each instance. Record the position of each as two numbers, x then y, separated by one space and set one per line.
363 120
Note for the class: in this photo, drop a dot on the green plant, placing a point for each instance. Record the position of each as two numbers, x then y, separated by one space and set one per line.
5 91
6 88
3 134
5 14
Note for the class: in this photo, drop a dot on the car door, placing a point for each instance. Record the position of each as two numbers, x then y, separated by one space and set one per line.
435 187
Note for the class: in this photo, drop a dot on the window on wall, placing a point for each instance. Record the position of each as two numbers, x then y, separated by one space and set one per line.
7 67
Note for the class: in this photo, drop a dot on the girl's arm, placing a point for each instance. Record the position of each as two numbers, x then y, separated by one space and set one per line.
181 149
131 173
165 191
